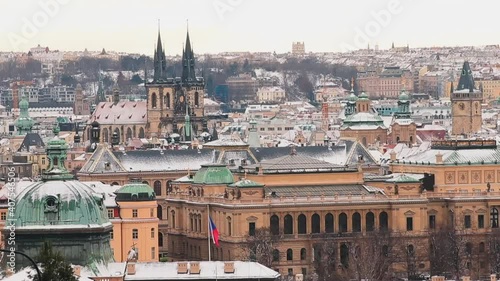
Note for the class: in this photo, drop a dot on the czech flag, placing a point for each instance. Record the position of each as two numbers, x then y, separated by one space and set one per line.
215 232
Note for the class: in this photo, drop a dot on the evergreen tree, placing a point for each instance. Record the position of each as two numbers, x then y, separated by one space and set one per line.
53 265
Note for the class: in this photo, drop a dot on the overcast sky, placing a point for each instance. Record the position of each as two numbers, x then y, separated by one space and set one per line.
245 25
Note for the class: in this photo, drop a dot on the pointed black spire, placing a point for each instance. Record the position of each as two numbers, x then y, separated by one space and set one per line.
188 70
160 61
466 80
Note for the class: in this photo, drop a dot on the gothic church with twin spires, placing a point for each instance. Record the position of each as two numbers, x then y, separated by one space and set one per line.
174 102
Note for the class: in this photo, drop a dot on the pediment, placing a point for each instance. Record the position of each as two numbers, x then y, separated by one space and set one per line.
409 213
252 219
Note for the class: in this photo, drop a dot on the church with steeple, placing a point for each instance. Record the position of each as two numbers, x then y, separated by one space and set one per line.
466 105
175 104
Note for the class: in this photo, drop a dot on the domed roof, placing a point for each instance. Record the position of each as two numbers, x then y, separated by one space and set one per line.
404 96
353 97
24 104
135 191
213 174
56 205
246 183
363 96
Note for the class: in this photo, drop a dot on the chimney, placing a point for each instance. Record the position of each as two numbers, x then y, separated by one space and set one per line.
182 268
194 268
437 278
393 155
439 158
493 277
77 270
131 268
229 267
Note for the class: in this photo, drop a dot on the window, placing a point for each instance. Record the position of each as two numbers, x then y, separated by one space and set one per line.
229 226
467 221
494 217
3 216
251 228
152 233
409 224
151 213
480 221
135 234
110 214
289 254
290 271
111 235
288 222
432 222
134 213
303 254
153 253
275 224
329 223
481 247
276 255
302 224
304 271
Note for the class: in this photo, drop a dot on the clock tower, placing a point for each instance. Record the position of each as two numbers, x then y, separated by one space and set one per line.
466 105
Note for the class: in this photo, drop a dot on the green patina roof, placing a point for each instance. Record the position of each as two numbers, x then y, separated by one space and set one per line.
404 96
363 96
135 191
213 174
60 205
246 183
352 97
402 178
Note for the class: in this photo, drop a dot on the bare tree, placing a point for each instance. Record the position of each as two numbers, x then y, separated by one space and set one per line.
372 255
494 250
261 247
325 260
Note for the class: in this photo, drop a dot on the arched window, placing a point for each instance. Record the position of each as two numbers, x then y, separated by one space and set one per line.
114 183
191 222
411 250
153 232
385 250
105 135
129 133
276 255
159 212
344 255
117 131
315 224
481 247
160 239
370 221
153 100
196 99
289 255
172 221
494 217
303 254
229 226
302 222
199 222
329 223
157 187
141 133
356 222
342 222
288 224
167 100
383 221
363 141
274 222
145 182
468 248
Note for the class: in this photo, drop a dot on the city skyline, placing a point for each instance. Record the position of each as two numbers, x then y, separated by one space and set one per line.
238 25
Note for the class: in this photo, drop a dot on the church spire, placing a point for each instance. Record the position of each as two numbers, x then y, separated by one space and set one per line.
466 80
160 61
188 70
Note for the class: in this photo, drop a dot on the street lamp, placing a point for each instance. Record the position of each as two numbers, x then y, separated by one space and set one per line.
26 256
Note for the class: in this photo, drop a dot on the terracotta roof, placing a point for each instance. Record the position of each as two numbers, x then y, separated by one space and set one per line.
124 112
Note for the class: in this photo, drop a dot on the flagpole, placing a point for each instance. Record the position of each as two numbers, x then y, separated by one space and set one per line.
209 233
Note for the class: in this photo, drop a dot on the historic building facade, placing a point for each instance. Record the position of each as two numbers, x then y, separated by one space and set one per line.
403 129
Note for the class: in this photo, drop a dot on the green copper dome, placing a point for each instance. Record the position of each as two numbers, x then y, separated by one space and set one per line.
213 174
135 191
24 123
60 205
363 96
353 97
404 96
246 183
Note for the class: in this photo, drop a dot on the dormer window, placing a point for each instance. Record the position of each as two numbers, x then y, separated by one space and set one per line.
243 162
51 204
107 166
231 162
